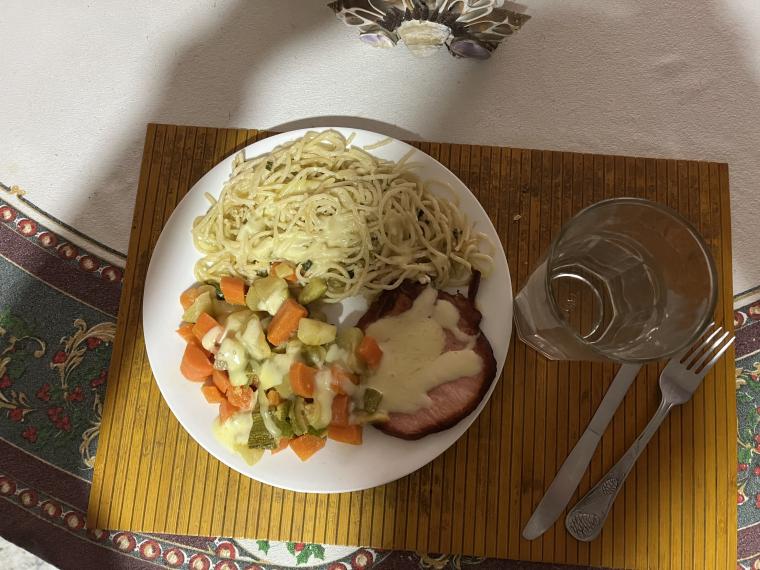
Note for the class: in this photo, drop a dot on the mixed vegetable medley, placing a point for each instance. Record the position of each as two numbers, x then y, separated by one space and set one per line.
281 375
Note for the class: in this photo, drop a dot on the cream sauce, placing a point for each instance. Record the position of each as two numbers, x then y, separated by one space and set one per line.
414 361
324 395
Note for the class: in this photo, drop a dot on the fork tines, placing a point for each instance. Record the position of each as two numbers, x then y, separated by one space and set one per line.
711 344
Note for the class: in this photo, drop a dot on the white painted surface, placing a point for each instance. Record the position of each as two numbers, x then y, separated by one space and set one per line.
13 557
653 77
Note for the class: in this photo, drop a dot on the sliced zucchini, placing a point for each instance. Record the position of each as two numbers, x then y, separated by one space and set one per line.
349 340
372 399
362 417
316 333
280 416
217 290
259 437
313 290
313 414
297 417
315 355
317 432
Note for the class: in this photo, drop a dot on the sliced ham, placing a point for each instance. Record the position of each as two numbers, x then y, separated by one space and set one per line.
453 400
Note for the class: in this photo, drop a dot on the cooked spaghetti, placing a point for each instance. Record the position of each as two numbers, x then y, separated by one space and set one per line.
361 223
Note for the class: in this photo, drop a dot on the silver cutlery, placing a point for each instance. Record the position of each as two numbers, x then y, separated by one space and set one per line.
678 382
566 481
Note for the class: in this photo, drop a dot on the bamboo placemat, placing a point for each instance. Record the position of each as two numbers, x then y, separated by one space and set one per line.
678 506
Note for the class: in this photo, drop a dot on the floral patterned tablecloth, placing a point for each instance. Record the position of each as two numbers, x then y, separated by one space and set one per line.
59 295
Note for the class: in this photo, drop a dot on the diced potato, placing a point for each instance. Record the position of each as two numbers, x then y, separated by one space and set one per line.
232 355
202 304
252 299
270 375
223 308
270 293
250 455
315 332
210 339
239 377
237 321
254 339
275 371
283 269
335 354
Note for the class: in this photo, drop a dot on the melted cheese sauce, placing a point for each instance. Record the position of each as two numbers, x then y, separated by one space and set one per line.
414 361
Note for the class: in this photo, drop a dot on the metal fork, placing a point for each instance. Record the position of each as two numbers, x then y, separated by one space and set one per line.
678 381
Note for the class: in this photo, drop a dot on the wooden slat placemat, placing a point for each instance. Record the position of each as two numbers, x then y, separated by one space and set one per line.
678 507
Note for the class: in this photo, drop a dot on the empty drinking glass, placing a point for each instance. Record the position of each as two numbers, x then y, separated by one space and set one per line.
626 279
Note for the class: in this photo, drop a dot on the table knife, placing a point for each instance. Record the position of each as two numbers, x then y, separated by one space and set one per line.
566 481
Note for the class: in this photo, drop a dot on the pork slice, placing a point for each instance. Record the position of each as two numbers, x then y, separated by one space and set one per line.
452 401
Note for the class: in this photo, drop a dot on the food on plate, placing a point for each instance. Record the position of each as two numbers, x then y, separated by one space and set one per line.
437 365
341 217
280 375
313 222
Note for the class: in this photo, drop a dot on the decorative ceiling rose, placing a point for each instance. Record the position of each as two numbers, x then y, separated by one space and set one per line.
468 28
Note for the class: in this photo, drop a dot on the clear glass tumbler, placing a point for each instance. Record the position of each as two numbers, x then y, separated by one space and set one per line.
626 280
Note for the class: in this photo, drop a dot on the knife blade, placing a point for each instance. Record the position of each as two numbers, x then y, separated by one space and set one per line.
566 481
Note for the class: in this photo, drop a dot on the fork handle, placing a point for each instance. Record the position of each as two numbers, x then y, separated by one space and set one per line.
586 519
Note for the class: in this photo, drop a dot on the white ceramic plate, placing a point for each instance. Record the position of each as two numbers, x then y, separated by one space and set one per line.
337 467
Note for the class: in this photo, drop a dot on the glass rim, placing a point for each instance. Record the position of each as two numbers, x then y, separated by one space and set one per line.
691 228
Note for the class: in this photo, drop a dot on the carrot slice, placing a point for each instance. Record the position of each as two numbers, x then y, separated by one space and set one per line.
188 297
241 397
283 272
340 377
369 351
212 393
203 325
282 444
302 379
221 380
195 364
185 330
345 434
340 411
233 289
226 410
285 322
306 445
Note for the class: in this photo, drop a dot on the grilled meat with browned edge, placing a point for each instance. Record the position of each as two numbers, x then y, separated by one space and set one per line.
453 400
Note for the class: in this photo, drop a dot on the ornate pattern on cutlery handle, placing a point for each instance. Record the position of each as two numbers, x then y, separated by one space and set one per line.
586 519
